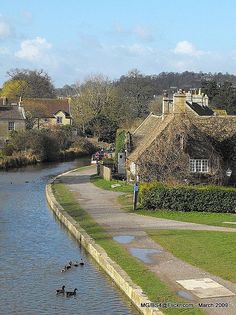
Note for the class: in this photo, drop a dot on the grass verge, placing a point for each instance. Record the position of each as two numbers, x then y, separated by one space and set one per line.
105 184
151 285
126 200
209 250
207 218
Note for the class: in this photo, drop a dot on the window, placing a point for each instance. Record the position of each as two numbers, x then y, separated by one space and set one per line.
59 120
198 166
11 125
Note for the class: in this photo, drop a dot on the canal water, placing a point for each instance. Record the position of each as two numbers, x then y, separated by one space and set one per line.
34 247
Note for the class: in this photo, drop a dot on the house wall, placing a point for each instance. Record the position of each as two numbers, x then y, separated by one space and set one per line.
52 121
65 120
5 133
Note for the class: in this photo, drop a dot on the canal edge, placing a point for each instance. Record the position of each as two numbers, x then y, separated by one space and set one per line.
116 273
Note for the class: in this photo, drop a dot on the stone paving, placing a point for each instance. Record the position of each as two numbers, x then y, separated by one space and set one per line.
102 205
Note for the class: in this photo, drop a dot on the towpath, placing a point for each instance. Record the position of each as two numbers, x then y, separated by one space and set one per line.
129 230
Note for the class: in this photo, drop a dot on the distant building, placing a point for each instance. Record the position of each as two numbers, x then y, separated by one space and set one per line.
48 112
12 117
189 142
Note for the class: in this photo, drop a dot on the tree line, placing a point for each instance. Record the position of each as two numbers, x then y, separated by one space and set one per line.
100 106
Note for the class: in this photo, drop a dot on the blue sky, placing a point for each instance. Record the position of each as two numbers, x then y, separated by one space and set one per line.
74 39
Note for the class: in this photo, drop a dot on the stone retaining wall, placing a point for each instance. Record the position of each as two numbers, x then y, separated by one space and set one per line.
105 172
119 276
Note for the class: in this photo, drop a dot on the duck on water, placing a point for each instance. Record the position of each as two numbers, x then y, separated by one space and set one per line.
71 293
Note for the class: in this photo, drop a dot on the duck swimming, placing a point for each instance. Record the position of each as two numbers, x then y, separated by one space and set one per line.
71 293
61 291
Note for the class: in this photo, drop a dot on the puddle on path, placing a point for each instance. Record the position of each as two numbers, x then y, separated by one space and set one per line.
123 239
185 295
144 253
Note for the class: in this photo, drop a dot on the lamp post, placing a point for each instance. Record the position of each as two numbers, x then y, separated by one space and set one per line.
228 173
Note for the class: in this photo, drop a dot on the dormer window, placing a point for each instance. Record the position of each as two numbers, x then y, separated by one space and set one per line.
59 120
199 165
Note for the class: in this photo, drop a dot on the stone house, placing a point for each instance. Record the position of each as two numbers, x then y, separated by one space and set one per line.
46 113
12 117
188 143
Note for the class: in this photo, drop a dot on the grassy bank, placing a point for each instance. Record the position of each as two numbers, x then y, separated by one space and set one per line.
125 200
107 185
209 250
17 160
155 289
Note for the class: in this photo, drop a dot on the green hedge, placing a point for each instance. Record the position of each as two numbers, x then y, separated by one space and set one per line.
188 198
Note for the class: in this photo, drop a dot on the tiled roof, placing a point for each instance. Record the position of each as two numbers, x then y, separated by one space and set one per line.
8 101
12 112
46 108
201 110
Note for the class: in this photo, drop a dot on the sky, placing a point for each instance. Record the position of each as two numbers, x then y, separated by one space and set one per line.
74 39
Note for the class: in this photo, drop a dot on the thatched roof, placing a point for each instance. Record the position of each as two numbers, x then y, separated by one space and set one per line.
217 127
146 133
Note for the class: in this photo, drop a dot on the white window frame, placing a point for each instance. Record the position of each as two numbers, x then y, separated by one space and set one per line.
59 119
199 166
11 125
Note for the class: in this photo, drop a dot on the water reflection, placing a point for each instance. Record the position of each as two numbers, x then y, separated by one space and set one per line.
34 248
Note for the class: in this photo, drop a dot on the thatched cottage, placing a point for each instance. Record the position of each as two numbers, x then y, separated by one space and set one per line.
188 143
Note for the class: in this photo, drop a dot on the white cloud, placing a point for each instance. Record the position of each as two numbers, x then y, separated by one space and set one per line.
5 29
186 48
33 49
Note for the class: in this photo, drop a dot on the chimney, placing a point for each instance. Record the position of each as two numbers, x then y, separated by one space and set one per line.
166 105
4 101
20 101
205 100
179 102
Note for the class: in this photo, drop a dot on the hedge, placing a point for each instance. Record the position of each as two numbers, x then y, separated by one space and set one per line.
188 198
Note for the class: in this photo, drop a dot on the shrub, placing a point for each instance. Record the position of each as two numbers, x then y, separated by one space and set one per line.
188 198
84 145
8 149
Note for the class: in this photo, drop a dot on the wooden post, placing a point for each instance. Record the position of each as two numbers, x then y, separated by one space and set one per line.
135 196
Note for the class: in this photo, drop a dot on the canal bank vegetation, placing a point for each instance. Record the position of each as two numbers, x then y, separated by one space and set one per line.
44 145
151 285
126 201
209 250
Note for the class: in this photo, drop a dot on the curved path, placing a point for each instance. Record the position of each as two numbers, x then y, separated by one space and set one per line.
102 205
